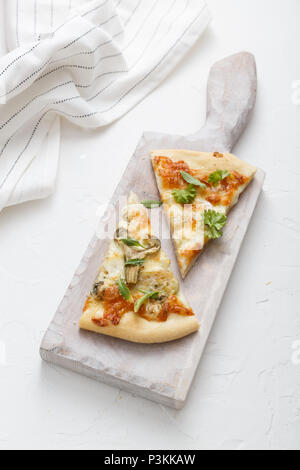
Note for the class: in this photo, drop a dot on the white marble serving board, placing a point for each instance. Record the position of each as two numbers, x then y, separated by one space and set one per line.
164 372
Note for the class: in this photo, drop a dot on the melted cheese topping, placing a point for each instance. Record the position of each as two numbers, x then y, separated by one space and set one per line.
135 220
187 226
155 275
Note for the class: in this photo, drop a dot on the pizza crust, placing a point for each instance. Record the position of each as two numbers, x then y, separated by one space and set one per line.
136 329
207 163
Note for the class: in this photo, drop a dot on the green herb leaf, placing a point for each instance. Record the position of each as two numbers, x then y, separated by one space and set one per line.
191 180
185 196
142 300
214 223
149 204
218 176
135 262
154 294
131 242
123 289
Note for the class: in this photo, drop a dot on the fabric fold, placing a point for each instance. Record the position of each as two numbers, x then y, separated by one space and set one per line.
89 61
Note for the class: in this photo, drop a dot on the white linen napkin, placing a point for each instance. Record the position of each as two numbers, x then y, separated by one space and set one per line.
89 61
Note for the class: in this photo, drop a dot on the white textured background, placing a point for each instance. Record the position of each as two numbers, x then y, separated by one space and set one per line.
246 393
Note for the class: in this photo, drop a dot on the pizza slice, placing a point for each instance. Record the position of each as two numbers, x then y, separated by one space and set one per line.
198 190
136 296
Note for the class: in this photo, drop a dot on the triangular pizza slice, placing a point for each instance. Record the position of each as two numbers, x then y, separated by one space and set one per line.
198 190
136 297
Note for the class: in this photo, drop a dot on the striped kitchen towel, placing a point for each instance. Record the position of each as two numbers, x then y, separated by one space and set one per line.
89 61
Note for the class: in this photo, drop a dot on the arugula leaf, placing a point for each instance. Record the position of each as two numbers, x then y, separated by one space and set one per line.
135 262
142 300
185 196
149 204
218 176
131 242
155 294
214 223
190 179
124 291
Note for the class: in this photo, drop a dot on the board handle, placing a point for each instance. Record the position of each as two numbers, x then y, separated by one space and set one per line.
231 96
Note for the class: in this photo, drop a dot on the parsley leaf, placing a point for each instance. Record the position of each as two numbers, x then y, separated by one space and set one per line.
142 300
124 291
191 180
149 204
134 262
218 176
214 223
131 242
185 196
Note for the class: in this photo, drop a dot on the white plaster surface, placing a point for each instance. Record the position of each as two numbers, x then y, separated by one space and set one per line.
246 394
